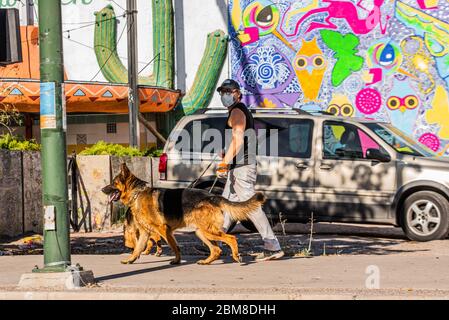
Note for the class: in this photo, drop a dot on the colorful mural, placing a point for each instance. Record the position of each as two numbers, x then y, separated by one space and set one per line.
381 59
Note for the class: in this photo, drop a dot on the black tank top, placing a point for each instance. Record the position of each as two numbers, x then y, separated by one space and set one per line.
249 145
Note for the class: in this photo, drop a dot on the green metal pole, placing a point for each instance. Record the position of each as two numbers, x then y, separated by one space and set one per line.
53 138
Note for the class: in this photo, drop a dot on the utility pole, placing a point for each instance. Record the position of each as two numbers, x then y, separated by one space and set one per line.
30 12
133 73
53 137
58 270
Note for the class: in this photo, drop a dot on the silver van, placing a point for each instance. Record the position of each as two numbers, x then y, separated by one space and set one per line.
341 169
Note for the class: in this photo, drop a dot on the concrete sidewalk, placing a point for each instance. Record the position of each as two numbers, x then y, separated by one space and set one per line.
346 262
419 275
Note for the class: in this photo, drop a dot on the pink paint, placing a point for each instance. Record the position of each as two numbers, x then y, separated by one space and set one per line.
377 75
423 4
431 141
367 142
253 33
368 101
345 10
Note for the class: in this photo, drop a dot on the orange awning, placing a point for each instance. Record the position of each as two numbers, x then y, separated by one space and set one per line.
84 97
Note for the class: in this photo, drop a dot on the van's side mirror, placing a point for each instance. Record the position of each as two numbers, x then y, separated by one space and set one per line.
377 155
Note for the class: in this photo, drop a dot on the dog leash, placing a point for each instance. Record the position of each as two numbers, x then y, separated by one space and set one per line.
193 184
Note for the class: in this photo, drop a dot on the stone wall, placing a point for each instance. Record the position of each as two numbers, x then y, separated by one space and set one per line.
20 193
11 197
98 171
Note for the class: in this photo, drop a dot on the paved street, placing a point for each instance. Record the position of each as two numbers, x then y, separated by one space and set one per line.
338 268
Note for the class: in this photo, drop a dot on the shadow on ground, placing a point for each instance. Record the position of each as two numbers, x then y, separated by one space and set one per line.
328 239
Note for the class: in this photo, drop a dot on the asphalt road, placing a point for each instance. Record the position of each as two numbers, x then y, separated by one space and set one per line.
345 262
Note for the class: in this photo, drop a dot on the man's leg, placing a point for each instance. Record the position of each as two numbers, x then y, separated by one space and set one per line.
243 184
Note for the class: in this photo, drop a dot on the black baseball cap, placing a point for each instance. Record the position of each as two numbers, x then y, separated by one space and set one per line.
229 84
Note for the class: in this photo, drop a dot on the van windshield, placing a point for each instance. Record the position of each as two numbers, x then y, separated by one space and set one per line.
400 141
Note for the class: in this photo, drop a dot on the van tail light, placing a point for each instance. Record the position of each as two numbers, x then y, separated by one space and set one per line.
163 166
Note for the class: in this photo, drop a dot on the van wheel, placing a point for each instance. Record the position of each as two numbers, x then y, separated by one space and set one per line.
425 216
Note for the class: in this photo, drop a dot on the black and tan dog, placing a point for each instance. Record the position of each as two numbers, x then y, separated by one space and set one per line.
162 211
132 234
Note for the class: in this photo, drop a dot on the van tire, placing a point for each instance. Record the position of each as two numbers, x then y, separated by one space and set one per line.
417 211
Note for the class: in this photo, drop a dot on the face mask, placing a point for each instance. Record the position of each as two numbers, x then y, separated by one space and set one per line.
228 99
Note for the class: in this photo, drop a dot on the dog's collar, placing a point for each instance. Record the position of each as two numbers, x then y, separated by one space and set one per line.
135 196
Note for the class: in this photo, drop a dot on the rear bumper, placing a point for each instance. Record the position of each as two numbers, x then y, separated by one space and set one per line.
171 184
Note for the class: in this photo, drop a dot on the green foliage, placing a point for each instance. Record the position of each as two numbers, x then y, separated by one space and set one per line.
102 148
13 143
153 152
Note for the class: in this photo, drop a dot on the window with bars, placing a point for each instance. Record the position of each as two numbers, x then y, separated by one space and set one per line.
111 128
81 139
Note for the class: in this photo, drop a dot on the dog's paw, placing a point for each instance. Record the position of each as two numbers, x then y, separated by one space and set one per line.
146 253
158 254
175 262
128 261
203 262
238 259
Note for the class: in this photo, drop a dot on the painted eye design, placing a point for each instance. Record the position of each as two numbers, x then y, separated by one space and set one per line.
318 62
301 62
411 102
265 17
393 103
387 56
347 110
334 109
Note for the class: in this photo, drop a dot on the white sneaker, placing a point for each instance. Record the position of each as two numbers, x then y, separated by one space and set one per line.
270 255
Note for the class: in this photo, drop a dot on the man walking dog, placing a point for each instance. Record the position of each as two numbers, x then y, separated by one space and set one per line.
239 166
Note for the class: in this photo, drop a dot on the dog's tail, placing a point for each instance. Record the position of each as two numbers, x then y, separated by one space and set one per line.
241 210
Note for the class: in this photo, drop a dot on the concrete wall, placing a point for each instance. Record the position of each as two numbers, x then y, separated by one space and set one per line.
20 193
98 171
11 209
32 177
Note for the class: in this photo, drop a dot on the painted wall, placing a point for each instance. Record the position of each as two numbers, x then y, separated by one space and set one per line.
194 20
381 59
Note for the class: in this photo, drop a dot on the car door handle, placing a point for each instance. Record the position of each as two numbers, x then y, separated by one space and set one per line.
326 167
302 166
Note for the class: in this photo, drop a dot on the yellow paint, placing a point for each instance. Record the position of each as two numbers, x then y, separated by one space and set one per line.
439 114
281 37
244 37
310 82
367 76
266 103
338 131
340 100
313 5
236 15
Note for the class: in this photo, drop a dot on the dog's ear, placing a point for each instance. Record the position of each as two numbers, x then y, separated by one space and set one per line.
124 170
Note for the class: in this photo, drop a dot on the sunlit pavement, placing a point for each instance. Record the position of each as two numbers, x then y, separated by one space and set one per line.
368 265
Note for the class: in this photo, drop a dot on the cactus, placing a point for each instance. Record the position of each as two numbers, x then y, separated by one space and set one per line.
208 73
114 71
105 46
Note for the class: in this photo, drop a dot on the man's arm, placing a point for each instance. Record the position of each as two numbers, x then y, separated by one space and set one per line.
238 124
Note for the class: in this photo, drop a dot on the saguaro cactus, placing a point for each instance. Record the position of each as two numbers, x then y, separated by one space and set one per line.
208 73
163 50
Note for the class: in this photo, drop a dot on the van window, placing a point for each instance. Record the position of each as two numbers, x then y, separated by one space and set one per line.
201 135
346 141
292 136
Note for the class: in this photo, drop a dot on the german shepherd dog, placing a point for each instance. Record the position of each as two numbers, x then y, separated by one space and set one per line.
162 211
132 234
